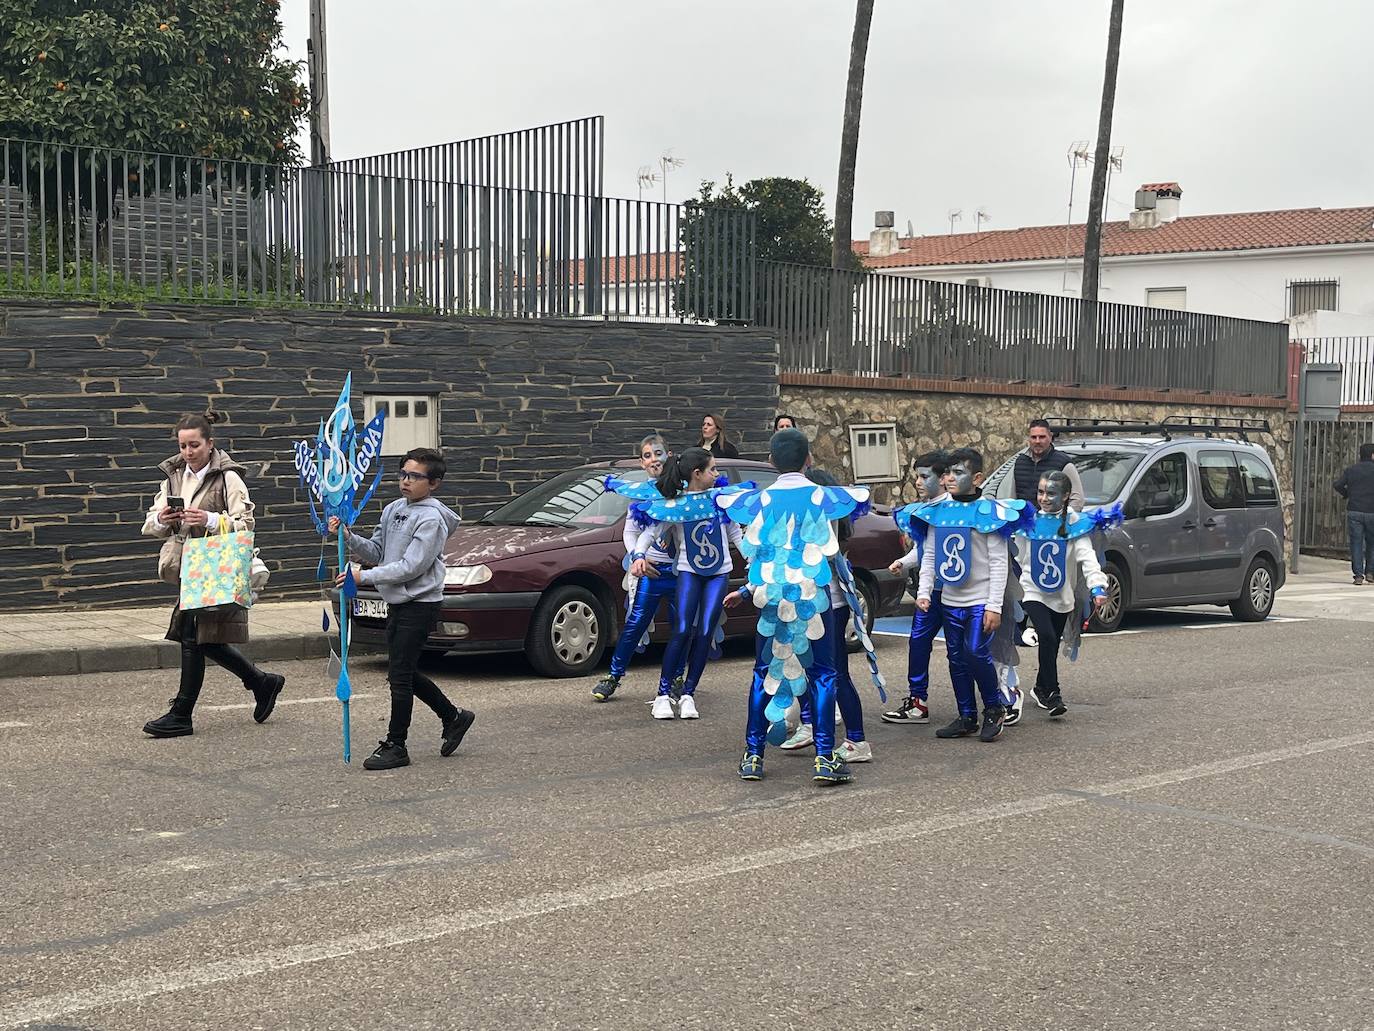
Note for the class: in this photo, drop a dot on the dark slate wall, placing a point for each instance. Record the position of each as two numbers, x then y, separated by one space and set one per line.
88 397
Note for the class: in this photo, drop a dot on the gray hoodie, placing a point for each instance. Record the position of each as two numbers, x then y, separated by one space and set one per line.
407 551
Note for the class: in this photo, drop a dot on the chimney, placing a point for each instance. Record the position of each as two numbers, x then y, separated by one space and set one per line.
1156 204
883 241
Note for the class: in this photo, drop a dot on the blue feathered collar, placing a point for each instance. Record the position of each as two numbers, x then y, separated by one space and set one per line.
1004 516
1081 524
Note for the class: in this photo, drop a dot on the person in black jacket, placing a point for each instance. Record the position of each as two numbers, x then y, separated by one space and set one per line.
713 438
1356 485
1039 458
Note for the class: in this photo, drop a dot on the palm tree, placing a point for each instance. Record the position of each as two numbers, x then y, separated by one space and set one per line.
1092 238
842 253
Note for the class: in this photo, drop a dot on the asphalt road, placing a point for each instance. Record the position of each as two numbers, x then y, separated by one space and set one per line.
1190 848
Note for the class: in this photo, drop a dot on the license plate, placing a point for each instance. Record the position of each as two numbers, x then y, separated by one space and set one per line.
369 609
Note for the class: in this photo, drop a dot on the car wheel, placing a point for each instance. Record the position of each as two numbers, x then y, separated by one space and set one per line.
868 602
1257 595
568 632
1107 619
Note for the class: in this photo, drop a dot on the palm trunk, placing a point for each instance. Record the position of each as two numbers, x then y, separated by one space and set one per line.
842 250
1092 238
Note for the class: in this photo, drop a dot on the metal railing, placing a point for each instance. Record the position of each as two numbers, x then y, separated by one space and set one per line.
92 222
1355 355
880 324
565 157
1328 448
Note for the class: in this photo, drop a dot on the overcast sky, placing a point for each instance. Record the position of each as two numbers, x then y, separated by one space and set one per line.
1249 104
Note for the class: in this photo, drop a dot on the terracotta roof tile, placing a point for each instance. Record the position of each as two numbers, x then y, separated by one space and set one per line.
1299 227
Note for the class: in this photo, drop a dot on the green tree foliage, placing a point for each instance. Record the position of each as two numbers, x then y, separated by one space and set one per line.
789 224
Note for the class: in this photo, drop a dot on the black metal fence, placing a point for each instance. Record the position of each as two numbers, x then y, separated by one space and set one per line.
1328 448
565 157
880 324
90 222
1355 355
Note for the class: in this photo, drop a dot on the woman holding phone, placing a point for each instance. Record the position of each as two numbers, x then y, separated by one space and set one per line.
203 483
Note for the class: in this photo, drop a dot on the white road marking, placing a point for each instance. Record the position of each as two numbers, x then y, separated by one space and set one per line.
13 725
1325 596
1230 623
50 1008
280 702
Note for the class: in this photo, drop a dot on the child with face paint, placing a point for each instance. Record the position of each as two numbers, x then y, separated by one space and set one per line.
966 550
925 624
1053 552
688 519
653 578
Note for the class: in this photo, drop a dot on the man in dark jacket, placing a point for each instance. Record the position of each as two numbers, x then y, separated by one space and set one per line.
1356 485
1039 458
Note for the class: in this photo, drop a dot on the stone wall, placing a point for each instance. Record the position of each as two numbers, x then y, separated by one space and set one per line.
88 397
993 418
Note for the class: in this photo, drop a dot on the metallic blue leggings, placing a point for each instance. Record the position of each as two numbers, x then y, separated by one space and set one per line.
846 695
824 681
924 627
697 605
648 593
970 658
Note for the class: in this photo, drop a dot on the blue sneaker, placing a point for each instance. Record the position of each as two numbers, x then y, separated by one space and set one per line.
751 767
831 769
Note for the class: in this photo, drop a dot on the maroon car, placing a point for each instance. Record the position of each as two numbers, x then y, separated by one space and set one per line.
543 574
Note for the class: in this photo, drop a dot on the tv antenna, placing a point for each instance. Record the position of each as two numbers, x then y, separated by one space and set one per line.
1080 154
647 178
979 217
668 163
955 214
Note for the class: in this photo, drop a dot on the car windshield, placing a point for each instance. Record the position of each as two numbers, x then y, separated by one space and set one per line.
1104 472
576 498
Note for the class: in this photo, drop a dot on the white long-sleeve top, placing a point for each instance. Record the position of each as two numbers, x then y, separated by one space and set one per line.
656 555
912 559
730 533
1080 554
986 583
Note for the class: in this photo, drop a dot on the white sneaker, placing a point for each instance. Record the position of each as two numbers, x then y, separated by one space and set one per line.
855 751
801 738
1018 699
663 707
793 717
686 708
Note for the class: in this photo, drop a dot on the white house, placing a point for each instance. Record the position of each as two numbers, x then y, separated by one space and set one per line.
1302 264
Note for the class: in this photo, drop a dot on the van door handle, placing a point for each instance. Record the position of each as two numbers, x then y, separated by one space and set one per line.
1190 525
1209 522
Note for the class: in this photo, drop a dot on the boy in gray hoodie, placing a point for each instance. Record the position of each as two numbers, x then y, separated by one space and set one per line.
406 560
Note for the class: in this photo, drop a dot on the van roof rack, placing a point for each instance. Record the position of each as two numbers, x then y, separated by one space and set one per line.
1187 425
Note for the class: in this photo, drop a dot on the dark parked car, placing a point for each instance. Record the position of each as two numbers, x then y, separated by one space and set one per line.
542 574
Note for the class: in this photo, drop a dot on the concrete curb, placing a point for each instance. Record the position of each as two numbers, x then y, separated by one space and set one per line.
130 656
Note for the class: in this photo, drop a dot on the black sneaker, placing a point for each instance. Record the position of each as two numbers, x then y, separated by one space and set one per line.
266 696
388 756
605 687
1055 703
177 722
454 730
963 726
1041 697
911 712
994 716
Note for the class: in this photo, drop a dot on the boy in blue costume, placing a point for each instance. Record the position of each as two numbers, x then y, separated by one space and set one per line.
789 542
966 549
653 577
925 624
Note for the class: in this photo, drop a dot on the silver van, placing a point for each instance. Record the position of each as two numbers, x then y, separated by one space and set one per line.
1204 524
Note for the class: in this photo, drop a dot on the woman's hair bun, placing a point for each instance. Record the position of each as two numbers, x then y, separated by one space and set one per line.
213 417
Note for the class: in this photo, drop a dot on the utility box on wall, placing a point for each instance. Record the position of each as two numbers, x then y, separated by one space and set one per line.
873 450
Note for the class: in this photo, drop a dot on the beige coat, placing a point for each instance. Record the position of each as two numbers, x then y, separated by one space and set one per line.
222 491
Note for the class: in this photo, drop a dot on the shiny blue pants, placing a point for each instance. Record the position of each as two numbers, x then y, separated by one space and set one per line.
970 658
697 610
648 593
824 676
924 627
846 695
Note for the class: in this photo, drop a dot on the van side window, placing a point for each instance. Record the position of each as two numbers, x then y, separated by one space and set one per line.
1260 490
1167 478
1220 477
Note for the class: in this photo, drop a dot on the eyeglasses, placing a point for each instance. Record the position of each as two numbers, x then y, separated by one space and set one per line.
407 476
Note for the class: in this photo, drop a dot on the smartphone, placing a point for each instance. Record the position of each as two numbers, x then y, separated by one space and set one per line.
176 504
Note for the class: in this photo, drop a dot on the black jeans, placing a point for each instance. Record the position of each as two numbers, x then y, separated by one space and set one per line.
1049 633
194 654
1361 528
408 626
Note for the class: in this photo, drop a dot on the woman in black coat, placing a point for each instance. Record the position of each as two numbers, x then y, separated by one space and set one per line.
713 437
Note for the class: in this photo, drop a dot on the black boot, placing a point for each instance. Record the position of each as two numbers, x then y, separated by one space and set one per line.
177 722
265 692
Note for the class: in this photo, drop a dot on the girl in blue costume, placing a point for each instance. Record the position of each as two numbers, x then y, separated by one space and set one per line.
686 518
1060 577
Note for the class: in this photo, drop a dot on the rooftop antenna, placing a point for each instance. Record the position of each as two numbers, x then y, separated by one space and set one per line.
979 217
647 178
910 232
1080 153
1113 165
955 214
667 162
